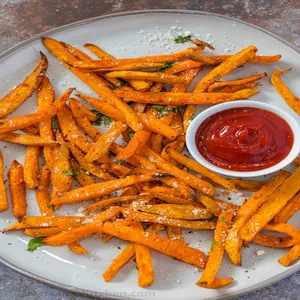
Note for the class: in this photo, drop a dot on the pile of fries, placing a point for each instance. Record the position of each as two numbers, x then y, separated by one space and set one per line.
156 190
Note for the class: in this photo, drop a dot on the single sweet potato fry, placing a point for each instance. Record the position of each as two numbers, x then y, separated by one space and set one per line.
27 140
20 93
17 190
31 166
3 197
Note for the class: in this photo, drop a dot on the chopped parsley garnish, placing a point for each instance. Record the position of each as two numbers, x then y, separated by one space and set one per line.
54 125
183 39
51 206
166 65
102 119
213 244
130 134
164 110
35 243
72 173
223 219
119 163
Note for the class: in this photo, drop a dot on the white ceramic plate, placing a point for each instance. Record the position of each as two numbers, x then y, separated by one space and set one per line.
129 35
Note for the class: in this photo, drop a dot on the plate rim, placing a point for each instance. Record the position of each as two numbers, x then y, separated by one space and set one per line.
100 295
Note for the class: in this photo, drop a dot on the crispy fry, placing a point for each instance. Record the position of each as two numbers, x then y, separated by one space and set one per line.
3 197
105 188
172 98
43 232
289 210
42 192
217 249
63 222
105 63
94 82
77 248
235 88
189 179
152 218
32 129
284 91
221 70
291 256
174 249
182 66
217 283
144 198
150 76
217 59
19 94
234 242
25 121
220 84
90 167
17 190
143 262
196 167
45 99
60 175
137 142
72 134
101 147
175 233
292 231
247 185
125 256
134 66
272 206
139 85
175 211
274 241
154 125
215 206
27 140
119 262
170 198
31 166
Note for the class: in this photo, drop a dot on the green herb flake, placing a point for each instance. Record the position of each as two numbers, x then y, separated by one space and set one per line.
213 244
130 134
35 243
165 66
183 39
119 163
164 110
72 173
54 125
223 219
102 119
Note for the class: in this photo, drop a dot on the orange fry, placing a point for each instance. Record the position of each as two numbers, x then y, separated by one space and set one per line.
151 76
42 192
105 188
20 93
220 84
172 98
3 197
152 218
17 190
101 147
217 283
27 140
94 82
189 179
291 256
284 91
289 210
234 242
27 120
45 99
217 249
274 204
77 248
31 166
203 171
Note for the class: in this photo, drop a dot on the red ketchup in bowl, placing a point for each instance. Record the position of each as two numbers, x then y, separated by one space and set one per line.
244 139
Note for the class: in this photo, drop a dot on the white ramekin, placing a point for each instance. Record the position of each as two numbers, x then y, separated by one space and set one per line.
191 132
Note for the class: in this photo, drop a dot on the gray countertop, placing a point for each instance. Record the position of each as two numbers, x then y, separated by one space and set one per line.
22 19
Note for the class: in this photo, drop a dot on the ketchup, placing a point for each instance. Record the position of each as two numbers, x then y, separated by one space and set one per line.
244 139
